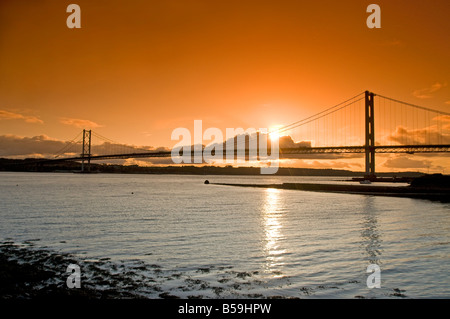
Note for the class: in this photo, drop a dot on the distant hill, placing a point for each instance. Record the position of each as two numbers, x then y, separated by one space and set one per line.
35 165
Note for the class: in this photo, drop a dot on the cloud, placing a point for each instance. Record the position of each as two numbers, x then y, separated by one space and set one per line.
116 148
427 93
325 164
332 165
405 162
438 133
79 123
445 120
164 161
250 140
46 147
6 115
37 146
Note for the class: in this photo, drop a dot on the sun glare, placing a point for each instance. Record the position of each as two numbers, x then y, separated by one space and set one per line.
274 132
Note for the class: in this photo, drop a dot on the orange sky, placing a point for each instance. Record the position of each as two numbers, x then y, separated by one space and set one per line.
136 70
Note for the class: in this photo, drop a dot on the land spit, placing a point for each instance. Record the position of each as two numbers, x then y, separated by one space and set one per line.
431 193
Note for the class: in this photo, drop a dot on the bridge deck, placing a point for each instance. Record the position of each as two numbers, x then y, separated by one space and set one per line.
284 152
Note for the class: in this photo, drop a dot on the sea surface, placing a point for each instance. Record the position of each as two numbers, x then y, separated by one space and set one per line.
188 239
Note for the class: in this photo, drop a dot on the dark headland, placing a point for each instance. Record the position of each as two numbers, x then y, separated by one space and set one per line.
432 187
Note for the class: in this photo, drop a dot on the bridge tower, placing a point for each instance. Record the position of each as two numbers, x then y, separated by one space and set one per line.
86 150
370 136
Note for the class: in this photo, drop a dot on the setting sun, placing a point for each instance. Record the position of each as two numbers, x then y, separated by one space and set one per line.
274 132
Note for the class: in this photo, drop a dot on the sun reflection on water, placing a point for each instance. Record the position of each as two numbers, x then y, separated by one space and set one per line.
272 224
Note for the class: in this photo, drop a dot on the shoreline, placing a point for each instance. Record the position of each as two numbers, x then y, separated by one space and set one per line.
32 272
29 272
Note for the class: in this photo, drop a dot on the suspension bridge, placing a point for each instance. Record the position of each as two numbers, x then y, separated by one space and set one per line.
367 123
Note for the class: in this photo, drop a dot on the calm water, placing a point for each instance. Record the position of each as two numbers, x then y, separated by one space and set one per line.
243 240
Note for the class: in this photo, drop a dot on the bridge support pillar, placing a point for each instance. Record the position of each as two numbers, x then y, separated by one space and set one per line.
86 150
370 136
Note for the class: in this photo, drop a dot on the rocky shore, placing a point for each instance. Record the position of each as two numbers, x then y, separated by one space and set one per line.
27 273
